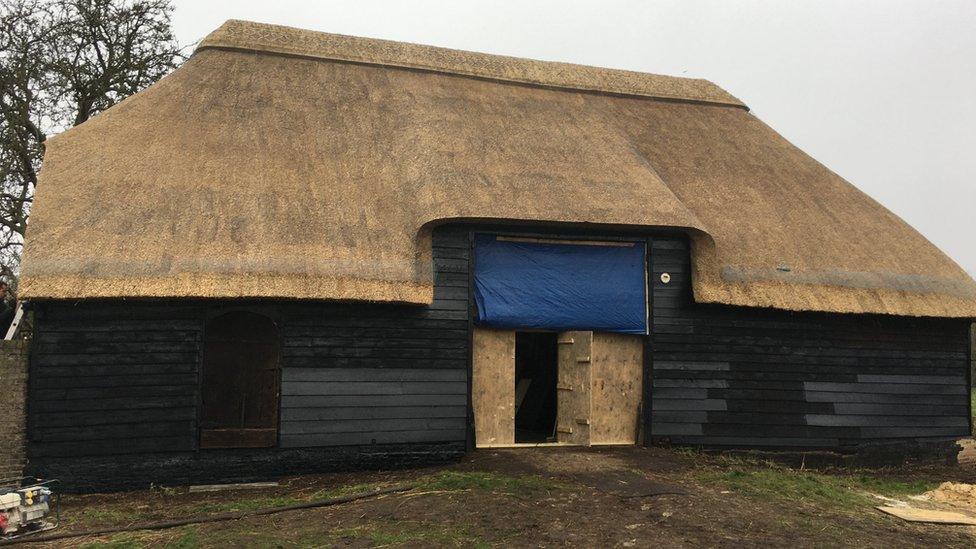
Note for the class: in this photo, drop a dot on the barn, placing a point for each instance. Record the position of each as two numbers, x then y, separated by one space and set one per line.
306 252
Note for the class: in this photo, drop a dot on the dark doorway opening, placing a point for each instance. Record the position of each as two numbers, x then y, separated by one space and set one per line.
536 373
240 382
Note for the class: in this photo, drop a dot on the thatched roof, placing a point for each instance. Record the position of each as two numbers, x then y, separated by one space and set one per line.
293 164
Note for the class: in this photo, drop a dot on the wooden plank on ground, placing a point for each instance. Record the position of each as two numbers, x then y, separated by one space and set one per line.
927 515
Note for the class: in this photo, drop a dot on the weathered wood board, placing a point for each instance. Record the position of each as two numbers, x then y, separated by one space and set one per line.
493 387
574 388
616 371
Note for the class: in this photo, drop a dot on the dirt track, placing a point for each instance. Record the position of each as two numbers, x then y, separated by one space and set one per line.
554 497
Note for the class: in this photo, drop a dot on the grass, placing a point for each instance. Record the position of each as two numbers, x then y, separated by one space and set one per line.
242 535
94 514
346 490
844 491
445 481
242 504
279 501
490 482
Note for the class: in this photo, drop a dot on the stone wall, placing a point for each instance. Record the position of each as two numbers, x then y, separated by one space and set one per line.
13 391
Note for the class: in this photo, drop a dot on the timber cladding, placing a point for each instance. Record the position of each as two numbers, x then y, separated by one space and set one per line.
738 377
13 394
119 382
115 387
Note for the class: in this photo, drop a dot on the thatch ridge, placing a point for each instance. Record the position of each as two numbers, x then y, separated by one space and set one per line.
254 174
249 36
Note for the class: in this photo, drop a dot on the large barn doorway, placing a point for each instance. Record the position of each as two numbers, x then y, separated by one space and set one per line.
536 373
557 351
240 382
596 398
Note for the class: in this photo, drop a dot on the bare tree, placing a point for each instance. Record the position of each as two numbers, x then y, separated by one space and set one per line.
62 62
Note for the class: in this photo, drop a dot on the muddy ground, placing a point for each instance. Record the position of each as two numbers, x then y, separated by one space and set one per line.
548 497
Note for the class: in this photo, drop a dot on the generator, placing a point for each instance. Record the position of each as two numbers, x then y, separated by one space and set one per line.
25 510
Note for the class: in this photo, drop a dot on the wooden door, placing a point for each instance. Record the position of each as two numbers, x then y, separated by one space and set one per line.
493 387
573 409
616 368
240 382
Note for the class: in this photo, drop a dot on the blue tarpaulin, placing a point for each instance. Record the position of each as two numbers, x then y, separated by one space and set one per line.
555 286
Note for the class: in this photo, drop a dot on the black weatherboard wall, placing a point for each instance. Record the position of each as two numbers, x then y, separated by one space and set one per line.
115 390
114 386
728 376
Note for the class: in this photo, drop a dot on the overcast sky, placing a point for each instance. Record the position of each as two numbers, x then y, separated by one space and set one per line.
883 92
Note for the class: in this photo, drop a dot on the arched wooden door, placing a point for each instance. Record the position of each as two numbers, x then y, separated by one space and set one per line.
240 382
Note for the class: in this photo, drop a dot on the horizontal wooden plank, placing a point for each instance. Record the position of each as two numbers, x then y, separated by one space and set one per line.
680 392
338 375
659 244
386 437
305 334
320 401
667 429
958 410
64 394
94 447
79 371
117 358
291 428
888 398
46 336
317 321
120 403
116 325
835 420
757 442
777 430
912 379
372 412
685 404
300 388
115 382
113 417
311 346
890 388
113 348
372 362
685 366
690 383
106 432
913 432
678 416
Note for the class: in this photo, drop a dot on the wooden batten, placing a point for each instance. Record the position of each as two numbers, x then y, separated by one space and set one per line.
493 387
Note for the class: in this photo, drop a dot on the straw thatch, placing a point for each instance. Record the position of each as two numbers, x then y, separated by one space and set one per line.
286 163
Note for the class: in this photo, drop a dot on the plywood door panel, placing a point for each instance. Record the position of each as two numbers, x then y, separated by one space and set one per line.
493 387
573 406
617 371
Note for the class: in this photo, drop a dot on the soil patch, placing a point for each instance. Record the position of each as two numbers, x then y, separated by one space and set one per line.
547 497
627 484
